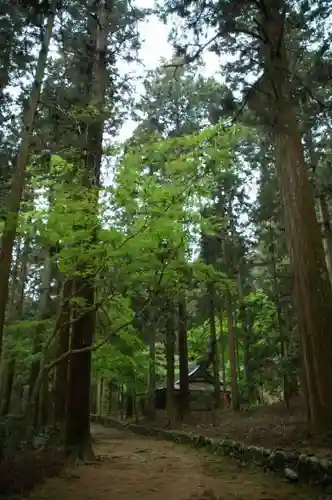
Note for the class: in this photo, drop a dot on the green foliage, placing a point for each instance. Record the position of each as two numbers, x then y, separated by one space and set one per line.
135 250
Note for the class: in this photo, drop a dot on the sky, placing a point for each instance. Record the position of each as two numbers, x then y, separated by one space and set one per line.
154 47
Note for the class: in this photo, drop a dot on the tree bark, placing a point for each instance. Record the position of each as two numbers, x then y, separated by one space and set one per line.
280 323
43 313
232 353
322 205
77 439
121 401
214 345
93 398
170 360
44 401
312 285
7 389
61 371
129 404
308 262
327 234
183 407
152 374
14 198
222 352
77 432
110 397
15 312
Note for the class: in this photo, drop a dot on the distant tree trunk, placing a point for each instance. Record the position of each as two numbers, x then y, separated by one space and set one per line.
43 313
110 397
44 401
8 387
14 198
151 410
61 370
222 352
93 398
284 379
327 231
170 360
121 401
215 355
322 206
238 361
232 353
101 397
312 284
135 409
246 364
15 312
246 327
19 290
129 404
304 387
183 406
99 394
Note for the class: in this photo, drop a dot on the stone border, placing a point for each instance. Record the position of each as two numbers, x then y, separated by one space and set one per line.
296 467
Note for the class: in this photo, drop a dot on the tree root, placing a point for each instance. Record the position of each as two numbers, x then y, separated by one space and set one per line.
82 453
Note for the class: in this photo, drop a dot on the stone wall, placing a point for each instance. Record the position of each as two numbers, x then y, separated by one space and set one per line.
291 465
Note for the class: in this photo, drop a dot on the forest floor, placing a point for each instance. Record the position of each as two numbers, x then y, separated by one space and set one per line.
130 467
271 426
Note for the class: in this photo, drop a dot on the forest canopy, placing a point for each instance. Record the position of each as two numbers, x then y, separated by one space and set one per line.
204 237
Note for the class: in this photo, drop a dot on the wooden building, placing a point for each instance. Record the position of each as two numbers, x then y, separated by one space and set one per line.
201 388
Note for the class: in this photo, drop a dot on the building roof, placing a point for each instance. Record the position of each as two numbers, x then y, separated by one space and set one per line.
195 370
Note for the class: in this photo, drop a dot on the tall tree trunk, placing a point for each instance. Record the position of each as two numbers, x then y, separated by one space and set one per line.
307 255
135 408
15 312
14 198
322 206
152 374
93 398
7 366
110 397
232 353
170 360
183 407
121 401
7 389
237 351
280 323
77 439
61 371
129 403
44 401
327 232
313 293
246 330
77 435
246 363
222 352
100 390
214 345
43 313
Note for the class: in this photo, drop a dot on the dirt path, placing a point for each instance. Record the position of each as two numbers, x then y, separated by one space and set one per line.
139 468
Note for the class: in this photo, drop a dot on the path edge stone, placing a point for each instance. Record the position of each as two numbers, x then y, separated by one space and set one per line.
294 466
